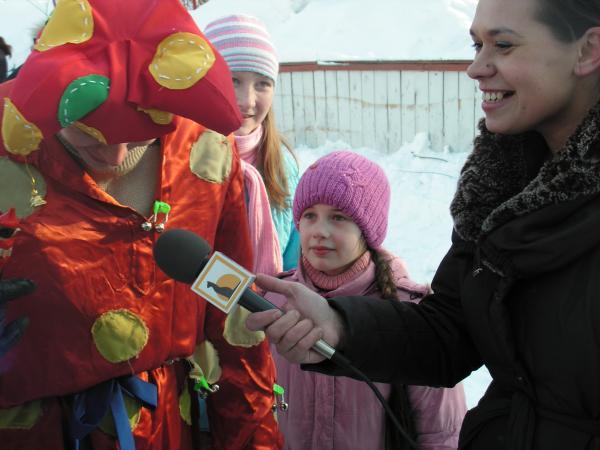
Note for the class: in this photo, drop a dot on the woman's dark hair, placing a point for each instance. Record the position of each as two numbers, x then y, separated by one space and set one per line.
384 277
569 19
7 49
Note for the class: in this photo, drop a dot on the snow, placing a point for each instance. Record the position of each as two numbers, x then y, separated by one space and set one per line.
423 179
330 30
312 30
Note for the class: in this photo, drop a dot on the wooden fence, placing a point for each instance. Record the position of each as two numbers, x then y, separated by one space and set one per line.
379 105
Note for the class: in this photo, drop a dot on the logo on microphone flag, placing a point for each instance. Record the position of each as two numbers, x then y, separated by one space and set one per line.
222 282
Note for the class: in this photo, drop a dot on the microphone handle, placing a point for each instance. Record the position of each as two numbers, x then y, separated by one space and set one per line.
256 303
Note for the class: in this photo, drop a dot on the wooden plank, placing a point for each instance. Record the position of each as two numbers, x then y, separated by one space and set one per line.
368 109
309 109
422 102
409 105
382 128
299 113
320 108
450 130
286 125
356 130
331 103
394 110
467 105
344 106
436 109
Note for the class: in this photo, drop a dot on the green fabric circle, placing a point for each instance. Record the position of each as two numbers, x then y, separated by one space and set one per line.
185 404
15 187
119 335
22 417
81 97
133 408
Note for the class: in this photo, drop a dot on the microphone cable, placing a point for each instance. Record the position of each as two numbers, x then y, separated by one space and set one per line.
343 362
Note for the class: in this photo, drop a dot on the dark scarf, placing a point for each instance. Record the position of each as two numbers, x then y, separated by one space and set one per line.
508 176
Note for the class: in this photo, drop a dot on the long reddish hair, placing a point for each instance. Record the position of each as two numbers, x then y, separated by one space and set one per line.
270 162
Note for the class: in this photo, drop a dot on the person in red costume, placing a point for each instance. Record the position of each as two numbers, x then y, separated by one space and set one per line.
101 150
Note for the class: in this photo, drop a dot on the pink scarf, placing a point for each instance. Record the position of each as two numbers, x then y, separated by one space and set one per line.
267 253
331 282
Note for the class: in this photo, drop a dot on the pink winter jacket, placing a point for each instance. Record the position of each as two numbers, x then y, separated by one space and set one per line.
339 413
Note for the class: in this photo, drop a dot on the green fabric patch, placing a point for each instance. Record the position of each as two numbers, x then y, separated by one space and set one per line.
81 97
211 157
185 404
205 363
133 408
15 186
236 333
22 417
119 335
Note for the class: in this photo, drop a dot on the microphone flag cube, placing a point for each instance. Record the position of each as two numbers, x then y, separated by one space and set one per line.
222 282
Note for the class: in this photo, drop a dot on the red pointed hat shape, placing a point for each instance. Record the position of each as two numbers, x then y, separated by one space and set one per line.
119 71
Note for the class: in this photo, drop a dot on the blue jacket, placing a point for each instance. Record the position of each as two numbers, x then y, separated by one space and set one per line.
289 240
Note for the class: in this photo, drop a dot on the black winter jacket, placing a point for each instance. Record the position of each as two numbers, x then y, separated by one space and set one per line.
518 291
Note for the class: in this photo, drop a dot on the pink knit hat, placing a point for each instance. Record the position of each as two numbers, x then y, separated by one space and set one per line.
352 183
245 44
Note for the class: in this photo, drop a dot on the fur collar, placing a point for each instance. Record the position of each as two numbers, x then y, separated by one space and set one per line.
506 176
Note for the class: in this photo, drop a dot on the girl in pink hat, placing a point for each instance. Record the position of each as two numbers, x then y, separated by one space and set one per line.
270 169
341 211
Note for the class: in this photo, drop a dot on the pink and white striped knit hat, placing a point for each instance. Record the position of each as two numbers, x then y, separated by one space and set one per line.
245 44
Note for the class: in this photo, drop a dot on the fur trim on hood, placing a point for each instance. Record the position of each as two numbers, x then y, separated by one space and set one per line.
500 179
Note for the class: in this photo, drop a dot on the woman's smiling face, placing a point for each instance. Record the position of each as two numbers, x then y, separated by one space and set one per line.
526 75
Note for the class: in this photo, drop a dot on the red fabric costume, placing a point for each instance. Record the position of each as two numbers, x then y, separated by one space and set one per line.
102 309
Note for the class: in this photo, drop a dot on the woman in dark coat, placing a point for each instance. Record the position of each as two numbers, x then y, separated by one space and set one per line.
5 52
519 289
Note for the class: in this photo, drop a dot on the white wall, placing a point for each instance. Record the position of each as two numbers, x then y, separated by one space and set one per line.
380 109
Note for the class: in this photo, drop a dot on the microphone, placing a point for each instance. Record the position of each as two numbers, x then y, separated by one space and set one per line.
182 255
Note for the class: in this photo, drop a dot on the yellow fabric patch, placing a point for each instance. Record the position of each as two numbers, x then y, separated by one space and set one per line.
211 157
133 408
93 132
20 137
205 362
22 417
181 60
15 186
119 335
70 22
185 404
159 117
236 333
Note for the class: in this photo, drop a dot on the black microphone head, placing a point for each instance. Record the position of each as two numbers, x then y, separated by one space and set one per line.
181 254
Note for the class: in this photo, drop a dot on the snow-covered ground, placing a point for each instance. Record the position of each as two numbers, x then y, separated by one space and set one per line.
423 179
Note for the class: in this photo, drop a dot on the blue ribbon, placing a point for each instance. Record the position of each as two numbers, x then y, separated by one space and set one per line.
90 407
